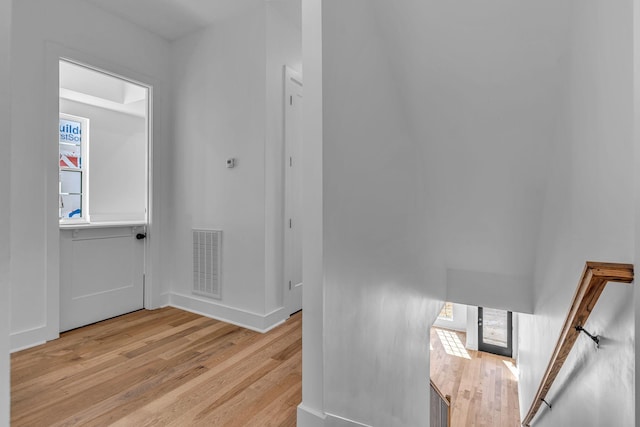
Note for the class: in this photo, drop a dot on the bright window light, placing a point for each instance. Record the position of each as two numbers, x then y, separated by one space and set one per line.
452 344
447 311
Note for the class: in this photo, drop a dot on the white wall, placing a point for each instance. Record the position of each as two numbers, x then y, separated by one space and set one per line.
311 412
219 98
438 117
41 29
588 215
480 81
5 149
472 328
503 291
227 87
376 313
118 147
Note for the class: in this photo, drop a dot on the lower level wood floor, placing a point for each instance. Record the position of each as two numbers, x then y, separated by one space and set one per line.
482 386
164 367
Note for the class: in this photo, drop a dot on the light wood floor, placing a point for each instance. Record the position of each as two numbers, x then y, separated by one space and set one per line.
483 389
165 367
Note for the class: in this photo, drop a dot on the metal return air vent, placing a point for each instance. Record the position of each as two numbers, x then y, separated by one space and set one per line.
207 252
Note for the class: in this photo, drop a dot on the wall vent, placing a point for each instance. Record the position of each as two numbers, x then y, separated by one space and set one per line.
207 253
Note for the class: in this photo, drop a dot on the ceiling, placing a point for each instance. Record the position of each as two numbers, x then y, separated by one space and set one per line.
173 19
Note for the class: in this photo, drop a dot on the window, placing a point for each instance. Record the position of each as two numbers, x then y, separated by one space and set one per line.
73 176
447 311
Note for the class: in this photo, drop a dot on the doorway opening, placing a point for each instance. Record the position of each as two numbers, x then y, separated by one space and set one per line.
495 331
293 190
103 193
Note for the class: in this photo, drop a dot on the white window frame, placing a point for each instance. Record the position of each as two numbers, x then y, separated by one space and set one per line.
84 170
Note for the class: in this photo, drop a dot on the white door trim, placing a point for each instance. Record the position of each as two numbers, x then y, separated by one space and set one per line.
54 53
290 76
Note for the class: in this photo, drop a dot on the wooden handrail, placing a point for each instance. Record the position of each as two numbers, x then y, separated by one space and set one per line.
594 278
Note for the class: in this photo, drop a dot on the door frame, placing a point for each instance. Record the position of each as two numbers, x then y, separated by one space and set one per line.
289 74
54 53
495 349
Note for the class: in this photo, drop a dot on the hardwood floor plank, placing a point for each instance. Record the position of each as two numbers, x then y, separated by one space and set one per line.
85 383
90 364
182 406
272 386
157 368
484 392
79 343
129 400
275 414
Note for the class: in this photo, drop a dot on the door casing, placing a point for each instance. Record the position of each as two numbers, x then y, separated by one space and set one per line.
54 53
292 191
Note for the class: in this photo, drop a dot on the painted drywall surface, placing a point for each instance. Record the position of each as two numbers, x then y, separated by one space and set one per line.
503 291
311 410
229 104
112 43
480 80
515 338
117 162
284 47
588 215
472 328
459 321
218 82
376 310
5 149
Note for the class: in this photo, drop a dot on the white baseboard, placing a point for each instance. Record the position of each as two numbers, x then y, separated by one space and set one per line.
336 421
257 322
30 338
246 319
308 417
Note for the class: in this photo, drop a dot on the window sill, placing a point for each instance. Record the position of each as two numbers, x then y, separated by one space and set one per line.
102 224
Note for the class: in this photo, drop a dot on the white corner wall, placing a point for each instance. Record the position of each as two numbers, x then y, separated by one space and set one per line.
120 47
311 410
5 150
588 216
376 313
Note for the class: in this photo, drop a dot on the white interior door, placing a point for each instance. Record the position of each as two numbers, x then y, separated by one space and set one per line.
293 190
101 275
103 194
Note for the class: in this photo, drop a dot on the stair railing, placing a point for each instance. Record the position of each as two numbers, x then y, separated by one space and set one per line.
594 279
440 414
